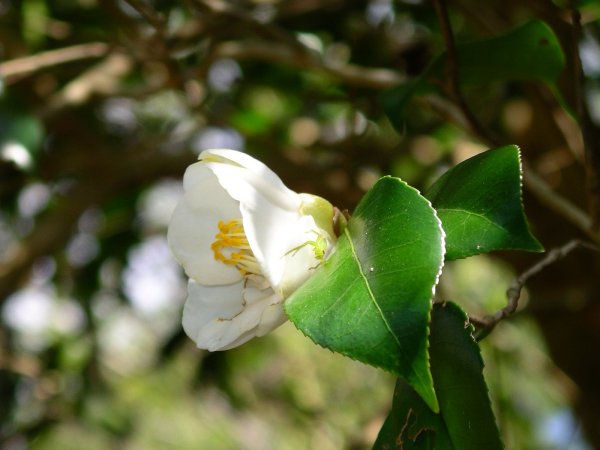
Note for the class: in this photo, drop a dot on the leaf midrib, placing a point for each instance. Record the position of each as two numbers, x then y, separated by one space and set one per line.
371 295
471 213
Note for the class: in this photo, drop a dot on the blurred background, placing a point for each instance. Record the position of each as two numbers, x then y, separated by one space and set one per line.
103 103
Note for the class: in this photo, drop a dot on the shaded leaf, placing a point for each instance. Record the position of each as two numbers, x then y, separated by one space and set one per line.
370 300
412 425
530 52
457 370
465 420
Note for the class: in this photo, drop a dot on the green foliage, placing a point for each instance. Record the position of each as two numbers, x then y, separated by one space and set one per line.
21 130
301 88
480 206
371 299
457 370
465 420
530 52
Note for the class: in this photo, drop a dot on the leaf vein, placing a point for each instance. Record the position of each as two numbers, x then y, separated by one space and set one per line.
494 224
368 286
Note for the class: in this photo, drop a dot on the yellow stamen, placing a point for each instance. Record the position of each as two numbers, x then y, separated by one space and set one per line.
232 239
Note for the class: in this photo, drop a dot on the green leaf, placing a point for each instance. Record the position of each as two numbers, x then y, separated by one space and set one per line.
530 52
457 370
370 300
21 134
480 206
412 425
465 420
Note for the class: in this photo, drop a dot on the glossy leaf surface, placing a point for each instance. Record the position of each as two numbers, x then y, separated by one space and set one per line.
480 206
371 299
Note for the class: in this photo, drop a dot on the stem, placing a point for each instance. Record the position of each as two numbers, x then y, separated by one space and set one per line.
513 293
452 74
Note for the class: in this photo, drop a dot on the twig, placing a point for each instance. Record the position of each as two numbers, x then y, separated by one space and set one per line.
153 18
15 68
453 75
224 11
513 294
557 203
103 77
275 44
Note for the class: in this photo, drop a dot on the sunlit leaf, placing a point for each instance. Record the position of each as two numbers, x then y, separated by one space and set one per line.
480 206
371 299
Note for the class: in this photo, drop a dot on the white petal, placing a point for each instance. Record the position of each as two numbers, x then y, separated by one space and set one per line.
243 185
206 303
272 223
276 234
216 318
195 222
247 162
272 317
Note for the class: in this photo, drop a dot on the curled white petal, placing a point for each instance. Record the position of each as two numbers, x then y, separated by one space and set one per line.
253 172
223 317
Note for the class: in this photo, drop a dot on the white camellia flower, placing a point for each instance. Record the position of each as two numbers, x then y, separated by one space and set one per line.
246 242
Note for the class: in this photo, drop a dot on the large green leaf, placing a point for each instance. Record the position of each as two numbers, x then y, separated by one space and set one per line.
370 300
457 370
530 52
465 420
480 206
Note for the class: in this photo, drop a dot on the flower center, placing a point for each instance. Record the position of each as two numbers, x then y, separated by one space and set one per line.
231 247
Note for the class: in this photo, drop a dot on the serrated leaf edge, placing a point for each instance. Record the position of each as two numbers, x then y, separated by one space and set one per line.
521 203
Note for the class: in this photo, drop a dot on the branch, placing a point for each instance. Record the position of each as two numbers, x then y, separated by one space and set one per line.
533 182
513 294
276 44
451 69
102 180
102 78
589 131
557 203
153 18
374 78
12 70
